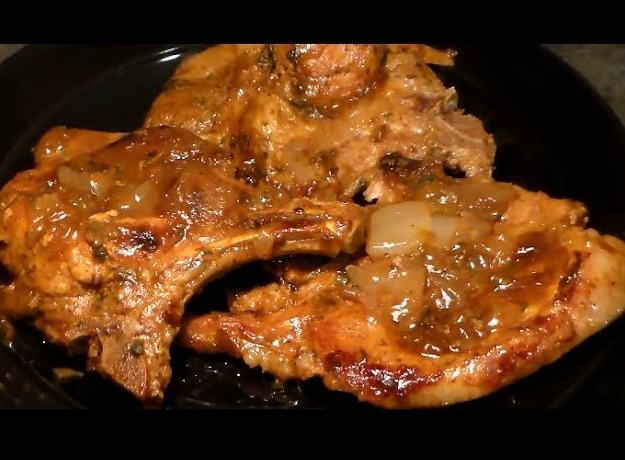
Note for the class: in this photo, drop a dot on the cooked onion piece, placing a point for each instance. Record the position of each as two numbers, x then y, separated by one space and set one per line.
403 228
398 229
393 285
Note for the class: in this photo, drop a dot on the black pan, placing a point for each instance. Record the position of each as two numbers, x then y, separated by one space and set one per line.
554 133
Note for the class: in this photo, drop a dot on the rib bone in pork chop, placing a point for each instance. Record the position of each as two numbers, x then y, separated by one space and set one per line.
465 287
106 246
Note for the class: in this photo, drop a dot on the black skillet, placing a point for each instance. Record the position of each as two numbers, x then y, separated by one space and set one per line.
553 132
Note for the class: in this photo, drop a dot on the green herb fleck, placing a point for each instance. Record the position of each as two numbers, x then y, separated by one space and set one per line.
99 253
137 348
266 59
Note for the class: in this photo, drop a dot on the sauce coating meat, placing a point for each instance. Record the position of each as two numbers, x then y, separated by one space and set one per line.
312 119
464 288
404 274
106 247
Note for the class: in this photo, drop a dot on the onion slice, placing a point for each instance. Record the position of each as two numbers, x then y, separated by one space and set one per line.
399 228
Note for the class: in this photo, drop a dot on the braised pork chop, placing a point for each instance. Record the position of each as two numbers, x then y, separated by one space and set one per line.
106 246
311 118
334 120
465 288
208 95
469 287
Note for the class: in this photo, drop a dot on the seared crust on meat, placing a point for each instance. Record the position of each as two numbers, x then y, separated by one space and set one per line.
446 287
105 247
506 326
326 77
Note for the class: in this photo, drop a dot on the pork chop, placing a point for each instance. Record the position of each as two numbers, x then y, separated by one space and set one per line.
311 118
465 287
105 246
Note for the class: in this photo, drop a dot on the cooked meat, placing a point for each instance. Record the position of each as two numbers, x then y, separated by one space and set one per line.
203 95
466 287
63 143
446 287
312 118
323 77
107 245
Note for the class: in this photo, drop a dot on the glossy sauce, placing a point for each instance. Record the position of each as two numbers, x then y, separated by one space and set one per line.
496 297
445 298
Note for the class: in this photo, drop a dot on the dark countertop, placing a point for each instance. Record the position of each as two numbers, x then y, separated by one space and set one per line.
8 49
603 65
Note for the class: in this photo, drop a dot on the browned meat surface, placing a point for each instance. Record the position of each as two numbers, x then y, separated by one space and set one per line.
465 287
448 286
314 118
106 245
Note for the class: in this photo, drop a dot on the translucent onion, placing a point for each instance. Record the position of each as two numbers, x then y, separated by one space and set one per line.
445 230
137 201
399 229
389 276
393 287
490 198
75 180
92 183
